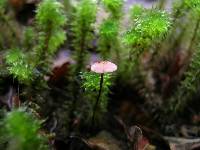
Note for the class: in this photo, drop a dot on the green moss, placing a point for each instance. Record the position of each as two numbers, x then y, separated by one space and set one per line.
109 29
114 7
148 26
50 19
83 21
90 83
22 131
82 25
194 4
136 11
18 66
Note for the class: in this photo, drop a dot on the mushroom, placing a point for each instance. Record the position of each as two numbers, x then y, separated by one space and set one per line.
101 67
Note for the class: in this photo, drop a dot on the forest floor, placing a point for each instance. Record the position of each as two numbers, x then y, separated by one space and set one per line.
104 138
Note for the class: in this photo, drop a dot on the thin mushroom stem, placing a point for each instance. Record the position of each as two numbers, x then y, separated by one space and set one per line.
98 98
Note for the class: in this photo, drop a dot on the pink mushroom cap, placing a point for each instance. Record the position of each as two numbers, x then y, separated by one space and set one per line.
103 67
